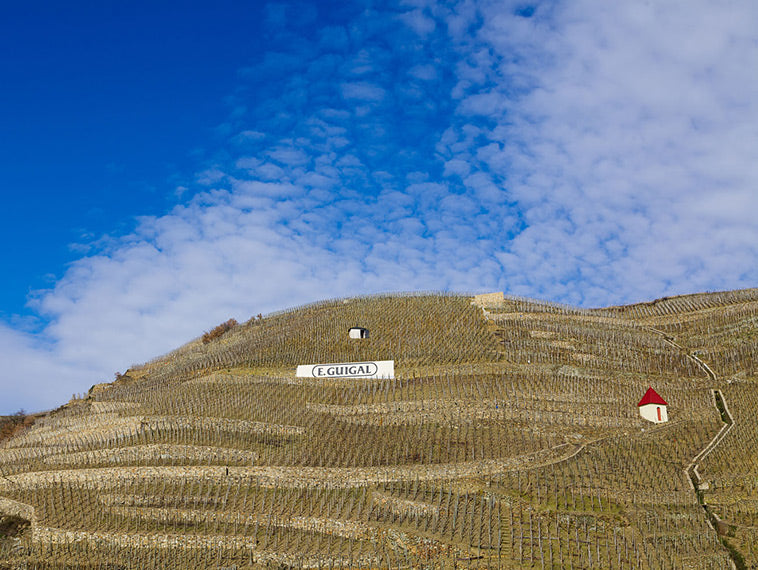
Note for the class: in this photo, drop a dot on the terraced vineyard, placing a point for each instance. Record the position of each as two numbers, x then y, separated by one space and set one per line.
510 438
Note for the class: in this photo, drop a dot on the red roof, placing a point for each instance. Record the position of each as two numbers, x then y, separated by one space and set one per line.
652 397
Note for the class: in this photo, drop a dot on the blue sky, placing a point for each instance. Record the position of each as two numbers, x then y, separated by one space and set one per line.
167 166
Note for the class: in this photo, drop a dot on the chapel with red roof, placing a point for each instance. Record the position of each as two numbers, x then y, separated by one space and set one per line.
653 408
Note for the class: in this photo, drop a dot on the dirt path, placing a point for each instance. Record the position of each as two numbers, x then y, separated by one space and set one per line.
560 411
49 535
153 452
104 427
692 468
668 339
691 471
344 528
293 476
718 397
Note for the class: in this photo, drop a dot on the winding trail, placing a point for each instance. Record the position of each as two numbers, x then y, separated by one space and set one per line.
49 535
668 339
294 476
718 401
691 471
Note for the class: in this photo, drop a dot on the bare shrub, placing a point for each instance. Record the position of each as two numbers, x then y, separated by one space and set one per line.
12 425
218 332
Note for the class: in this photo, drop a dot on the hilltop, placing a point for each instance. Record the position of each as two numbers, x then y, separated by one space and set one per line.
510 437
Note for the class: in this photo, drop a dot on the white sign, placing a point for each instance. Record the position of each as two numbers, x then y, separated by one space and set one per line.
375 369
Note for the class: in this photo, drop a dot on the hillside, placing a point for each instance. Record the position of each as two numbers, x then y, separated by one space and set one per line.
509 438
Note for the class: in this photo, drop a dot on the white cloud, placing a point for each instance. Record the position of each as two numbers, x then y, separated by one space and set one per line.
35 376
634 112
419 22
592 153
426 72
362 91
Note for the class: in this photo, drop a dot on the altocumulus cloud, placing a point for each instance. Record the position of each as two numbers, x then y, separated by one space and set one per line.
584 152
623 133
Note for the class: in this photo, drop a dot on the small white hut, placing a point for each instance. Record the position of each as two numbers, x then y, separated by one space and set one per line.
358 332
653 407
